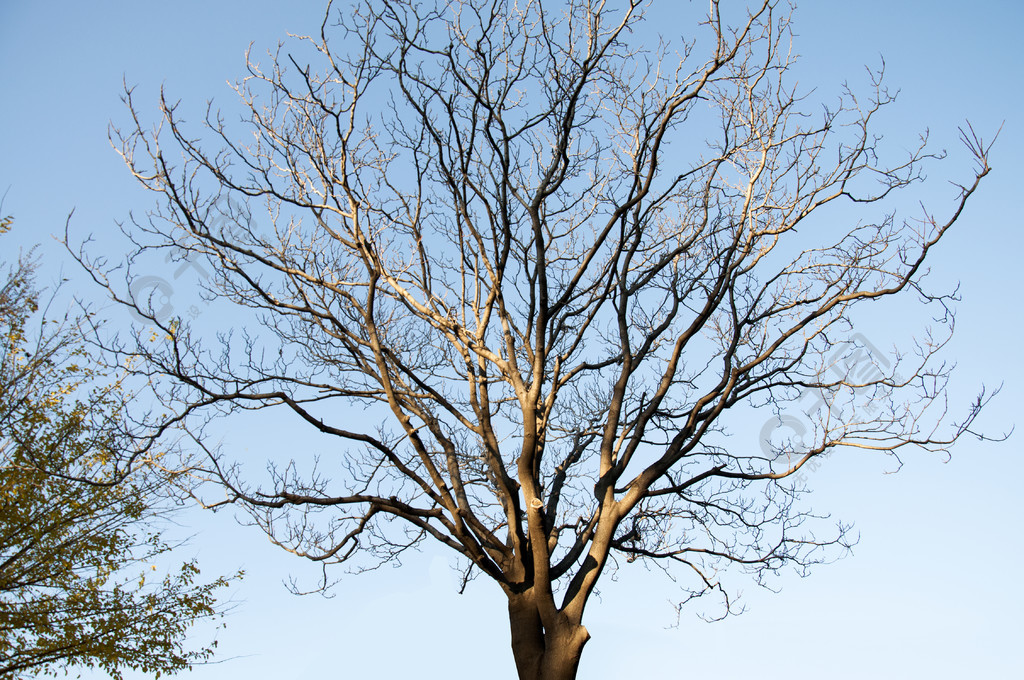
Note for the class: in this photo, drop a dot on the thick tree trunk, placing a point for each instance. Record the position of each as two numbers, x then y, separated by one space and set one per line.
544 652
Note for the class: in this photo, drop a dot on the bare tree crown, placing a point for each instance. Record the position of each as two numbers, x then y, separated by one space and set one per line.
556 262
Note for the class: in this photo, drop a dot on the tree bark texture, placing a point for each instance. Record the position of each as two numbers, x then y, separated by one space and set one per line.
542 651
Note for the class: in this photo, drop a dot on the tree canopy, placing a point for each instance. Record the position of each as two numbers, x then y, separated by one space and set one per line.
526 271
79 546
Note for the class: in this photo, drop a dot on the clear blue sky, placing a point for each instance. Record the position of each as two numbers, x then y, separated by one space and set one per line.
935 587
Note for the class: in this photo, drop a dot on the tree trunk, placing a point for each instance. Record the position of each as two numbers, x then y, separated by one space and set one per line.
542 652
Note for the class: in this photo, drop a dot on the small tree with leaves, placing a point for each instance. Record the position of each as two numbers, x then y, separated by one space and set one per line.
78 583
525 272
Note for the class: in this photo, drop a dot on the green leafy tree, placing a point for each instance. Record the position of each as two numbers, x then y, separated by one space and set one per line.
78 583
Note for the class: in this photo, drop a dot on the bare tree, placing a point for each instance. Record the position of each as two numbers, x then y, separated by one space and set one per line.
525 271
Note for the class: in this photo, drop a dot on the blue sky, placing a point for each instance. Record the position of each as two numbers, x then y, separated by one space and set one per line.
933 589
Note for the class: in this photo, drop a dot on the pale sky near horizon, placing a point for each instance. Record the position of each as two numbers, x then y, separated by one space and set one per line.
934 589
